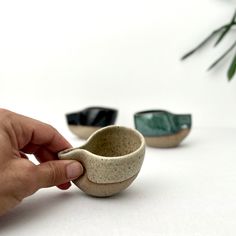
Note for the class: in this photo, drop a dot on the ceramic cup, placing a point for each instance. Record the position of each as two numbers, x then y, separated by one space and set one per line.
84 122
161 128
112 158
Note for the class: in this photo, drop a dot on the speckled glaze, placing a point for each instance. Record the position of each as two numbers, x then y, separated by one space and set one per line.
112 158
85 122
161 128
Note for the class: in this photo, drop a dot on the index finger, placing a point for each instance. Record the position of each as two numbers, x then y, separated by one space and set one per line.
28 134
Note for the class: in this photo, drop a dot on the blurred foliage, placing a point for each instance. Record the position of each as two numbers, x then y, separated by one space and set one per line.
220 34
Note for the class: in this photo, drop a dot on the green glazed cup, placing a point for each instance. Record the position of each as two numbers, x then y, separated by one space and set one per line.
161 128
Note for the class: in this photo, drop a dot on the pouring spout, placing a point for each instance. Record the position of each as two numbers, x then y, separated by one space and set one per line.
78 154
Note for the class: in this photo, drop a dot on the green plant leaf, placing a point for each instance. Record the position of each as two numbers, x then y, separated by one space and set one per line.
203 42
222 35
223 56
232 68
222 31
227 29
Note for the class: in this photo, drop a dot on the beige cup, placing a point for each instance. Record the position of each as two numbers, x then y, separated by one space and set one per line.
112 158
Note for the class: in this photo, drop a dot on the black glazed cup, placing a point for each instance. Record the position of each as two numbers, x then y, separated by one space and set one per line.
84 122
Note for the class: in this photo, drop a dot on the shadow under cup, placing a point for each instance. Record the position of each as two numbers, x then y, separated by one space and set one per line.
84 122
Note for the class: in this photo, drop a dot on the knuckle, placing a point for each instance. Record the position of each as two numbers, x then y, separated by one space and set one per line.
3 110
52 128
5 114
6 118
54 174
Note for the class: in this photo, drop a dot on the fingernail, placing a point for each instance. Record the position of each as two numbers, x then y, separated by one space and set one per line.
74 170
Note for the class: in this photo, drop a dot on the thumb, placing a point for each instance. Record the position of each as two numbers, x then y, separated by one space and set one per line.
54 173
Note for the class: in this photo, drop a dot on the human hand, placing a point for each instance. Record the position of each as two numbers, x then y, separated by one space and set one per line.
19 177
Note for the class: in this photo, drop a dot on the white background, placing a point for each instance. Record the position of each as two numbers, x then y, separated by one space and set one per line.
61 56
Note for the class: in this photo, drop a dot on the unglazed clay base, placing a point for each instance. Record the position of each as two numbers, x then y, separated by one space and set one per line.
102 190
83 132
167 141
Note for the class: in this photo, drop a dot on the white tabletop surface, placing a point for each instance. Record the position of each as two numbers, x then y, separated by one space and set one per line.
189 190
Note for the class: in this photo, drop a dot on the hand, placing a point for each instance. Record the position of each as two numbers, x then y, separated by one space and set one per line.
19 177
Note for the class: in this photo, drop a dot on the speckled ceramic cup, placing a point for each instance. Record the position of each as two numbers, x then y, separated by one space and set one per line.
112 158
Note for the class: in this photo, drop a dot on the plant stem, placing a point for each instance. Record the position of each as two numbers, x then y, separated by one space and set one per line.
222 31
227 29
223 56
203 42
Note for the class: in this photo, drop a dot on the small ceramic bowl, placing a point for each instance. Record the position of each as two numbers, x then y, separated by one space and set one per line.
161 128
84 122
112 158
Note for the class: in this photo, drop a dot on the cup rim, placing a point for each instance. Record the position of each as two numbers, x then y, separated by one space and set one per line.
110 158
154 111
90 108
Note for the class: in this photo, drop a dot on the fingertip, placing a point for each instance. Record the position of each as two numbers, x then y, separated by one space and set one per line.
58 172
74 170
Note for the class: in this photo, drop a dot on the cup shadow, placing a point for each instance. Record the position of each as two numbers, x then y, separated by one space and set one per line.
35 208
184 145
38 207
31 210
